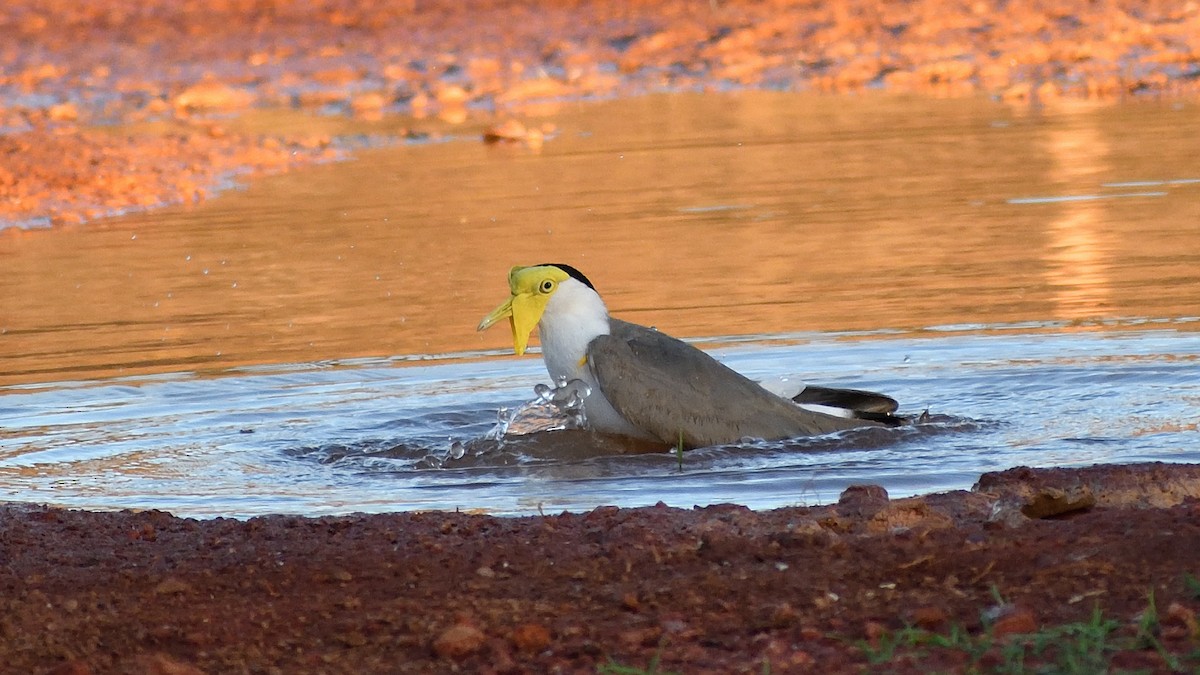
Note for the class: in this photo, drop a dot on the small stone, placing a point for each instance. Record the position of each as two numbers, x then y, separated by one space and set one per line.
419 103
507 131
157 106
63 112
1051 501
539 88
352 639
212 95
601 513
530 638
929 618
452 96
1014 620
1184 617
862 500
459 641
370 103
172 586
784 615
629 601
825 601
856 493
640 637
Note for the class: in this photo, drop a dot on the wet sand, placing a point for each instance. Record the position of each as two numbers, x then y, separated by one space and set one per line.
110 106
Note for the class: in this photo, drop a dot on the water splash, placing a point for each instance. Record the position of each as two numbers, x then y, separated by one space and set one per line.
504 419
554 409
568 398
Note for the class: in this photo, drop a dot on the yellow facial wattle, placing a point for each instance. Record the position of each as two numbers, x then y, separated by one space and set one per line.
531 289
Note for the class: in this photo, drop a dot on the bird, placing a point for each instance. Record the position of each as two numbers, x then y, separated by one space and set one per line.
646 385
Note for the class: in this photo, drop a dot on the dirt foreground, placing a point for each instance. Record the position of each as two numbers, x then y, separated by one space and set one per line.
721 589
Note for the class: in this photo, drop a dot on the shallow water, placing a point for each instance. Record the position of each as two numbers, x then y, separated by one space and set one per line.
307 345
376 436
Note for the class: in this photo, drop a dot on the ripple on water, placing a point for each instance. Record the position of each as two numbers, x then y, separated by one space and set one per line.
378 436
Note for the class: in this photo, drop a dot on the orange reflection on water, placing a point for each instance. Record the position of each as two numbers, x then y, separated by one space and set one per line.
1078 249
755 213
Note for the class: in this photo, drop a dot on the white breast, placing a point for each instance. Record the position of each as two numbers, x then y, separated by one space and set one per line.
574 316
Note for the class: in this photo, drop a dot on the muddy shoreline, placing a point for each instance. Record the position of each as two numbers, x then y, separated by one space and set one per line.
720 589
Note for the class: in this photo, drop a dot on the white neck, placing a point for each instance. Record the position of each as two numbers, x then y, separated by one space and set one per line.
574 316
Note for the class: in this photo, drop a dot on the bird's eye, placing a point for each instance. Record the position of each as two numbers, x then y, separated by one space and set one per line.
547 286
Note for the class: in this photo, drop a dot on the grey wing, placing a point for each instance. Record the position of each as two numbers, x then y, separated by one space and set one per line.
676 392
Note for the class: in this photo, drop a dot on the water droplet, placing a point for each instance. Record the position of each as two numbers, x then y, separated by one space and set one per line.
234 285
568 399
504 419
457 450
133 236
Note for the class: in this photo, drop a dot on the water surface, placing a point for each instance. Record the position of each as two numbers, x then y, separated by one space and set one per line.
307 344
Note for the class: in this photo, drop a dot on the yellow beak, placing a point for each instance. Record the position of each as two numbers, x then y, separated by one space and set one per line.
523 312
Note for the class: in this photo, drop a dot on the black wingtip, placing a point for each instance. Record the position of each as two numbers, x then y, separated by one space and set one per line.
571 272
863 405
850 399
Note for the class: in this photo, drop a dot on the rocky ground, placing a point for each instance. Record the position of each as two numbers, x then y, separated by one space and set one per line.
107 106
1076 569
